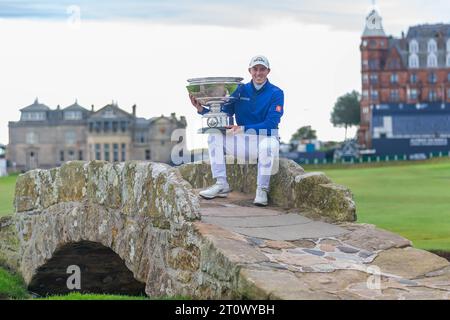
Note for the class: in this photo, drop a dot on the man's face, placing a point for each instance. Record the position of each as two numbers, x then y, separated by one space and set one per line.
259 73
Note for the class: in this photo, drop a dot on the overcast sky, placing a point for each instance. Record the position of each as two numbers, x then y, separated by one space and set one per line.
142 52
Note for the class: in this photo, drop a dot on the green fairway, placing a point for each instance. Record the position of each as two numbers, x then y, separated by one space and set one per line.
7 185
412 199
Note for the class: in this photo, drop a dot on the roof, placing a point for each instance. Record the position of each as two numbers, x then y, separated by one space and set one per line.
75 107
429 31
373 27
36 106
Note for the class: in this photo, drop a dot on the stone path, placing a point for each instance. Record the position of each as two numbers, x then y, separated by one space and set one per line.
284 255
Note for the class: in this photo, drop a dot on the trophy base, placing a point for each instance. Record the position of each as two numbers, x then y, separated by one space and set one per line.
212 130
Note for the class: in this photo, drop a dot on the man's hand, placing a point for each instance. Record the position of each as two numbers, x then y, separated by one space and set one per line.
195 103
234 129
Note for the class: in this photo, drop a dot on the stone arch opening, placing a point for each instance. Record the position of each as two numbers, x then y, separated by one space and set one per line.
101 271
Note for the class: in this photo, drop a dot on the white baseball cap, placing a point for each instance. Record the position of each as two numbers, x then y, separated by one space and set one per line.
259 60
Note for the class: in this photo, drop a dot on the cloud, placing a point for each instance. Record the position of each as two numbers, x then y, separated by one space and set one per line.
341 15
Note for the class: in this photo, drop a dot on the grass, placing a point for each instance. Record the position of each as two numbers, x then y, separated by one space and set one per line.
7 185
411 199
12 286
80 296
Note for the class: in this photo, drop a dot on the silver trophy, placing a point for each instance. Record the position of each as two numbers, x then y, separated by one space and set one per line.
214 92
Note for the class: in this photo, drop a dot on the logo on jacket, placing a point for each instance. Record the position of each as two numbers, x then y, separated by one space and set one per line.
278 108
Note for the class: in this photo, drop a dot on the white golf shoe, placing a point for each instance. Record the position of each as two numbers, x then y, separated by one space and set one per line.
261 197
216 190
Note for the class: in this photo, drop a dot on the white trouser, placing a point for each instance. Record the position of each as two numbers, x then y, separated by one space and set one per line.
246 148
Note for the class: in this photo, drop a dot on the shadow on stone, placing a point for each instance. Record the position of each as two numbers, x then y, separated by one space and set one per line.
102 271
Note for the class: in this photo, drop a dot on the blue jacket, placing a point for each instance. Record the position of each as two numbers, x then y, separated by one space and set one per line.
256 109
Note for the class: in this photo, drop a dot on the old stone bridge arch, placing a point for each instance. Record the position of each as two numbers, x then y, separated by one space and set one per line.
141 211
142 220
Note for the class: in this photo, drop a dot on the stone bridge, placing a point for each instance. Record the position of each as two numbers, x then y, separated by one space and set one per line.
140 228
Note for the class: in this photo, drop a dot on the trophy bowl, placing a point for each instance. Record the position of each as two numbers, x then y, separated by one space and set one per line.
214 92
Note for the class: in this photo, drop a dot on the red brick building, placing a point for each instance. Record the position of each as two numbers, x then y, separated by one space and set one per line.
410 71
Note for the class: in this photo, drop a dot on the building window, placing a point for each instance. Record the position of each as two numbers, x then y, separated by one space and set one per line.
108 113
413 94
373 64
395 95
73 115
374 95
107 126
71 137
31 138
413 61
61 156
432 45
432 96
98 126
33 116
106 149
432 60
413 78
365 94
365 78
98 155
432 77
140 137
116 152
365 110
147 154
80 155
374 79
91 127
123 126
394 78
365 64
413 46
115 126
124 152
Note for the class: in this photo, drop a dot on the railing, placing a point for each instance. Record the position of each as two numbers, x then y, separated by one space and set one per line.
375 159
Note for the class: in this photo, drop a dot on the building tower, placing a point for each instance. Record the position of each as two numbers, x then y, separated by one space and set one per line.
374 48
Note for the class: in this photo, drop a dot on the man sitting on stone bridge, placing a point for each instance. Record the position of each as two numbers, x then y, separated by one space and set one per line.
258 110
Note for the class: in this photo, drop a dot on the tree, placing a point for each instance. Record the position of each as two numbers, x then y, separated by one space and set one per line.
304 133
346 111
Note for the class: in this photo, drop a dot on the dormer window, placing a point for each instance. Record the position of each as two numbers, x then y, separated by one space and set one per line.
413 46
108 113
432 45
73 115
33 116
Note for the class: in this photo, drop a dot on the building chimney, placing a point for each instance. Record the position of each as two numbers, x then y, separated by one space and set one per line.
134 110
92 108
